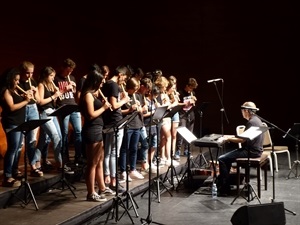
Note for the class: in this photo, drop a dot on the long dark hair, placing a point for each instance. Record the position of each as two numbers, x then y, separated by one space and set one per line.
7 79
92 83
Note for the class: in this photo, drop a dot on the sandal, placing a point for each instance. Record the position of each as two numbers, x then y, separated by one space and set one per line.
18 175
36 173
13 183
47 166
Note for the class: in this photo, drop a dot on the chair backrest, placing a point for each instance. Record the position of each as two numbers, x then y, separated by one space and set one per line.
240 129
267 137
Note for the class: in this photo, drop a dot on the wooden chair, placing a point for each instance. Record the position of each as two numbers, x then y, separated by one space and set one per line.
260 164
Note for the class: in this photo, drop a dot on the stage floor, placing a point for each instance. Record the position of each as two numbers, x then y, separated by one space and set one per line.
183 204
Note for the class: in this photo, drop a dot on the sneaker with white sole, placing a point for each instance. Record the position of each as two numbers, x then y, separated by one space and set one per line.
175 163
123 177
136 175
120 190
107 192
68 170
95 198
153 168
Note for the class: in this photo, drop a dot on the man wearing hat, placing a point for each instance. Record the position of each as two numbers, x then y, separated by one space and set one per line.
254 147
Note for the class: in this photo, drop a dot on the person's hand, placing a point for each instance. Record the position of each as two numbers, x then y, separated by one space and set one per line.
107 105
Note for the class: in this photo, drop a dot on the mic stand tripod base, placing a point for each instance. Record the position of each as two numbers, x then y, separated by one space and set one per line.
117 201
294 169
148 220
158 182
26 199
187 172
128 197
250 191
63 181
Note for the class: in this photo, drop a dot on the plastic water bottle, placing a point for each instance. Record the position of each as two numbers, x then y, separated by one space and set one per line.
214 191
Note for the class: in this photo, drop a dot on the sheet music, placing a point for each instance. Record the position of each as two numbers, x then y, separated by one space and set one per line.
252 132
186 134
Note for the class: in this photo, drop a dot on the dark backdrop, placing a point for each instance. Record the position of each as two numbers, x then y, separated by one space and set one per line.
254 47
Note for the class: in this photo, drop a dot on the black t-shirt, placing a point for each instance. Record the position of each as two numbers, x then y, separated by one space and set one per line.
137 121
111 89
256 143
186 112
68 97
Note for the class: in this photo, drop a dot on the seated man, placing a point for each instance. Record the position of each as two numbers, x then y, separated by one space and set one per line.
254 146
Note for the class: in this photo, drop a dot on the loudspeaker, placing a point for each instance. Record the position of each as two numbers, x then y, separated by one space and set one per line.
262 214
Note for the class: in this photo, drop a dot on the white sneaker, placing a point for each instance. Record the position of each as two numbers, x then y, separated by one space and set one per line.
95 198
175 163
136 175
124 177
153 168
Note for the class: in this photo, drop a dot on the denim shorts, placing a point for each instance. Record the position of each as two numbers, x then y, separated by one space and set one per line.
175 118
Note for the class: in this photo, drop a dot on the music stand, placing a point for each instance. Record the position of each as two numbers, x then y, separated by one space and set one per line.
127 167
62 112
156 118
117 200
250 134
295 131
171 113
25 128
189 137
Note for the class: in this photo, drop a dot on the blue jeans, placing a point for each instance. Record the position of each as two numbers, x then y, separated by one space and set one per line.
109 165
14 146
228 158
45 139
75 119
144 144
130 144
52 129
34 154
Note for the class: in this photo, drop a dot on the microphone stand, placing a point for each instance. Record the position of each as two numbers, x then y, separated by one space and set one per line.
273 163
222 106
295 130
148 219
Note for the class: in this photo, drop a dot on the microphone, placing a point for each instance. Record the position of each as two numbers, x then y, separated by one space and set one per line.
284 136
214 80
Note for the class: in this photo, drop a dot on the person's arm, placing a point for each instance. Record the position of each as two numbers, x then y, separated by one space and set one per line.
115 104
92 113
233 139
43 100
10 102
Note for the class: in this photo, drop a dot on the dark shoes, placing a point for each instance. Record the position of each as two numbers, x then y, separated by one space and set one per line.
36 173
177 155
67 170
186 152
18 175
120 190
47 166
11 182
